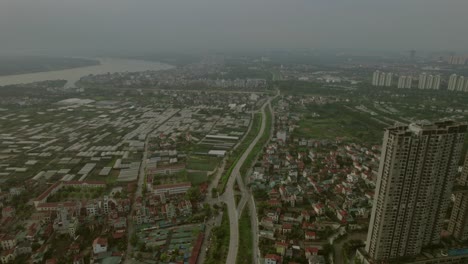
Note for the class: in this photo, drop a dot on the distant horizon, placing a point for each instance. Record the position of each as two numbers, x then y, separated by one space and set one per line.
257 52
206 26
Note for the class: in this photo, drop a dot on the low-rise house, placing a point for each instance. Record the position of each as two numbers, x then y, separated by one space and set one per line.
311 251
281 247
309 235
23 248
8 212
185 207
100 245
7 241
78 259
319 208
267 222
170 210
7 256
272 259
286 228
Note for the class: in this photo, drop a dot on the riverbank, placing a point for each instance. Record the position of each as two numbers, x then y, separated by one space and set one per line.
107 65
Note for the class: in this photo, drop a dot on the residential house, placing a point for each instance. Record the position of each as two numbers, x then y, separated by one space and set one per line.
272 259
100 245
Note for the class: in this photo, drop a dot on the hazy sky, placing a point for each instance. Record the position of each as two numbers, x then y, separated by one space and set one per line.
222 25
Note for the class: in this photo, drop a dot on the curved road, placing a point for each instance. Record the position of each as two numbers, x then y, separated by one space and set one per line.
229 194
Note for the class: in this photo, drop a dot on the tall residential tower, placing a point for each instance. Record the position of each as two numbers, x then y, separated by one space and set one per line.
416 174
458 225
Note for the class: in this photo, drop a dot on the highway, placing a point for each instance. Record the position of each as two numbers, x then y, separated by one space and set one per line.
247 198
229 194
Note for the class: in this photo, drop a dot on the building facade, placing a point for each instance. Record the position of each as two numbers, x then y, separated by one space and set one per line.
452 82
458 225
416 173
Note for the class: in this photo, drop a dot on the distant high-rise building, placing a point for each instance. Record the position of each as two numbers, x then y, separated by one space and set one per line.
460 83
452 82
409 82
436 83
382 79
457 60
458 225
429 82
376 78
422 81
388 79
415 178
405 81
401 82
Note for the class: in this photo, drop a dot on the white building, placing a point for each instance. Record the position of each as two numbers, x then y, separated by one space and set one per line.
382 79
281 135
100 245
452 82
460 84
401 82
436 83
376 78
409 82
422 81
429 82
388 79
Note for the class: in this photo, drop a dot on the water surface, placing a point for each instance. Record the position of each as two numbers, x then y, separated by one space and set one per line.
108 65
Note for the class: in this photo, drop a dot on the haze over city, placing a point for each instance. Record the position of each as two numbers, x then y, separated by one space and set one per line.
87 26
237 132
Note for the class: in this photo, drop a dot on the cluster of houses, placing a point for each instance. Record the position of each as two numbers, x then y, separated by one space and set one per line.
180 77
63 218
314 191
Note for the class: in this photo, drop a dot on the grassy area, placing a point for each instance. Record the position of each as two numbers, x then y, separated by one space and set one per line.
259 146
198 177
245 254
203 163
237 153
336 121
76 193
218 250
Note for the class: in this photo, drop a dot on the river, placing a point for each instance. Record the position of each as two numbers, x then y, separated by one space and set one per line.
108 65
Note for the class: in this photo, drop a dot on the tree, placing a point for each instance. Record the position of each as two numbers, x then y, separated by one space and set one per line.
214 192
193 194
134 239
207 209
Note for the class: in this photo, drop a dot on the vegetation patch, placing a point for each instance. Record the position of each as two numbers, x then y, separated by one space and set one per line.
245 254
202 163
259 146
237 153
218 251
197 177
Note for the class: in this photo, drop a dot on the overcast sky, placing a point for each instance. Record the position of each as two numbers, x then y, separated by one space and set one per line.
234 25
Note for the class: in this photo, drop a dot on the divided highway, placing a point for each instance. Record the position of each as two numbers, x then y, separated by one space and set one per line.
230 199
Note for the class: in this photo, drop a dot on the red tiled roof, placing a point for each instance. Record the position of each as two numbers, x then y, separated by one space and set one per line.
100 241
196 249
167 186
273 256
47 192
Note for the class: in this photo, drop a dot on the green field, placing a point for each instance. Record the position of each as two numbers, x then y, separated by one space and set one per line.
218 250
202 163
245 255
336 121
196 178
